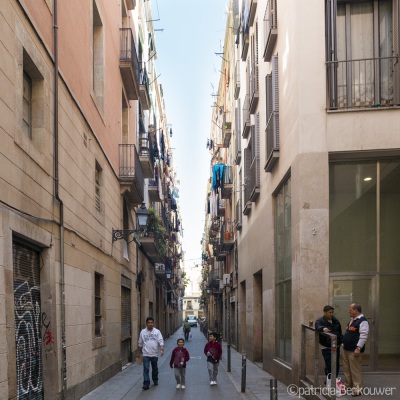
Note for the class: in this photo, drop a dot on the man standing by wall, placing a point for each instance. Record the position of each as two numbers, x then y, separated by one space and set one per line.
354 345
150 339
329 324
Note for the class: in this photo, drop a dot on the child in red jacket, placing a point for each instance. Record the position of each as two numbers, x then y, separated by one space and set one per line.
213 351
179 357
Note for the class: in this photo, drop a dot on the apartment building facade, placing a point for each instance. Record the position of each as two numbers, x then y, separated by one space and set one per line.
311 93
84 152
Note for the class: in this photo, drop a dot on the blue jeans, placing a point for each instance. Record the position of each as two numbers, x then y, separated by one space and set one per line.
146 368
327 357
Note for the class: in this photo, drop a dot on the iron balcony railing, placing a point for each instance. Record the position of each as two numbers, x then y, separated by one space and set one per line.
128 63
246 117
238 220
146 147
130 166
370 82
144 78
128 49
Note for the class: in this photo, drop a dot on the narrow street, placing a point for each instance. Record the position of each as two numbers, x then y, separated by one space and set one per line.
127 385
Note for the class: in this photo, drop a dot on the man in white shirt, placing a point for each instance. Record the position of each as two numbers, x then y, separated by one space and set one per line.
150 339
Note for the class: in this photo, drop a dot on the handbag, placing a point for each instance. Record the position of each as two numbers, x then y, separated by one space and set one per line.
190 335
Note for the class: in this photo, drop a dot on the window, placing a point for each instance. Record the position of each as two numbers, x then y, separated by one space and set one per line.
362 50
98 290
283 252
364 216
27 106
33 107
98 56
98 184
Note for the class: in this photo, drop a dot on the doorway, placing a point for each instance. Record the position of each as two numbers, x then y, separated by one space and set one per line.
356 290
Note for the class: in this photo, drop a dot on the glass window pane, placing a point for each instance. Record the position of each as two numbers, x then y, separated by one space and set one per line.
280 322
346 292
390 216
388 339
352 215
288 322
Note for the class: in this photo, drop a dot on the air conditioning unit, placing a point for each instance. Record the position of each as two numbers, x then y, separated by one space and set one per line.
226 279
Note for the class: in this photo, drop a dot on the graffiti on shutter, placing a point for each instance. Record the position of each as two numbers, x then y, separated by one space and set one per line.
27 314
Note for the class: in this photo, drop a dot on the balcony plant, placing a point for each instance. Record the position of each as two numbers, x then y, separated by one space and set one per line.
227 125
156 229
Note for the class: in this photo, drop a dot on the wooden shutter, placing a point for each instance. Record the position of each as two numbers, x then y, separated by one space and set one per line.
396 48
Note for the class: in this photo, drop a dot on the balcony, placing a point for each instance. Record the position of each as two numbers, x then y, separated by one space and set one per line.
272 134
237 79
254 94
159 269
246 117
252 11
226 134
130 4
221 208
154 194
364 83
270 29
144 88
146 153
238 221
245 39
215 275
247 208
150 245
131 173
227 242
226 188
129 64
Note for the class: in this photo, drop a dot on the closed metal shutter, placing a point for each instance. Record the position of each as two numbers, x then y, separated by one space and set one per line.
125 308
27 314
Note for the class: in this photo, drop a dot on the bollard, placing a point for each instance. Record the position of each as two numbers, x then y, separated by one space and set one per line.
243 388
229 357
273 389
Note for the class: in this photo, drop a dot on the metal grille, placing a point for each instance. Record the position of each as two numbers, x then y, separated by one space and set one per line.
27 314
125 313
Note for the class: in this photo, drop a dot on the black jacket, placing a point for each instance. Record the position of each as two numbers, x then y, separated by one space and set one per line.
352 334
334 328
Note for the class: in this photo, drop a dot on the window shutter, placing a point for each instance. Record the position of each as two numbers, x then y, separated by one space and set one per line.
238 135
272 88
275 97
247 175
257 150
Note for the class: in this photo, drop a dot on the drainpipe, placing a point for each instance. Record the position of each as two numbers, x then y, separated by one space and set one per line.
61 205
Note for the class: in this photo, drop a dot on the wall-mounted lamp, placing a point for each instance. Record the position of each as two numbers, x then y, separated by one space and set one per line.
142 216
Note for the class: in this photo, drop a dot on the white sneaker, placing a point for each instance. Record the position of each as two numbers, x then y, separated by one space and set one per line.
178 386
183 387
215 382
211 383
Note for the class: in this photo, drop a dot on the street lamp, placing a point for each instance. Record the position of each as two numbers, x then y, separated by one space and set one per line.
142 216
